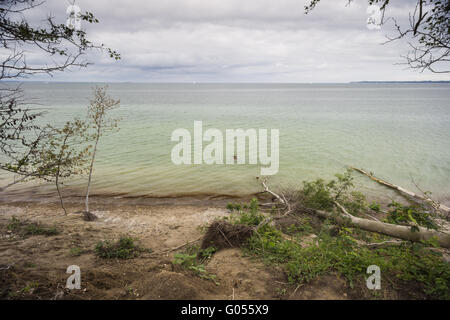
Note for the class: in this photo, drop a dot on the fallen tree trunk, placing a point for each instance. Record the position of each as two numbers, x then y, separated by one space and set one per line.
388 229
404 191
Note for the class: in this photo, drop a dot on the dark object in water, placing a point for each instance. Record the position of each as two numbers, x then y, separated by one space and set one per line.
222 234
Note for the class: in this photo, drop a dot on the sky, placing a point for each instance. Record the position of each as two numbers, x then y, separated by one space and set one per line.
236 41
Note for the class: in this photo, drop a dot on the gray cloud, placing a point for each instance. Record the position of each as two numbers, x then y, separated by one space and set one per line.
235 40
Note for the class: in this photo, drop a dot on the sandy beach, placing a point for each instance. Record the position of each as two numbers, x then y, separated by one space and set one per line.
160 227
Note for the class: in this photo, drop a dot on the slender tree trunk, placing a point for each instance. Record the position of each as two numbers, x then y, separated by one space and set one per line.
91 168
60 196
57 174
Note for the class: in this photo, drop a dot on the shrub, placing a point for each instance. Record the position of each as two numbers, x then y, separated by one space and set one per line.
321 195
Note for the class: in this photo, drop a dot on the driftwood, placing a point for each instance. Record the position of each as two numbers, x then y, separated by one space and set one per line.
404 191
280 199
392 230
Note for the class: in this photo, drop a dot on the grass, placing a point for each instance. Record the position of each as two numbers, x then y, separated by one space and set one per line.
30 287
24 228
76 251
29 265
124 248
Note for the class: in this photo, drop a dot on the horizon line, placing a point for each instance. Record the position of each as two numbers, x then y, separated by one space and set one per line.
218 82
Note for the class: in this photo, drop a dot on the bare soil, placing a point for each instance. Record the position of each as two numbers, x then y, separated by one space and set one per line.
34 267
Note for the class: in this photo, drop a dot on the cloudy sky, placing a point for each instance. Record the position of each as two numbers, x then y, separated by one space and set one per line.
237 41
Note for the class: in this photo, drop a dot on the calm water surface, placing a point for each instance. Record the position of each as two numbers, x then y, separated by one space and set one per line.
398 131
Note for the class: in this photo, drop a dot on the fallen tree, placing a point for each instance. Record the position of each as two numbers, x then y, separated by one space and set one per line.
411 194
343 217
389 229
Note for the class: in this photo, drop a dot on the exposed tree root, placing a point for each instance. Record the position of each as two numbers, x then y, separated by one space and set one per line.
89 216
222 234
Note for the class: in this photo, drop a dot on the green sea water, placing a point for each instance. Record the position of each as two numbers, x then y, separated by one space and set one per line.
401 132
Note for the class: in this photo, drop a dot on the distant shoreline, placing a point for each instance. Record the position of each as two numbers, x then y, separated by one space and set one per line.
439 81
230 83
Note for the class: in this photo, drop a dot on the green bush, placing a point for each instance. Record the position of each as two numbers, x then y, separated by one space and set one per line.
321 195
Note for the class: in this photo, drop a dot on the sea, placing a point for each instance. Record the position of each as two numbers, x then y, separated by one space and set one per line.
398 131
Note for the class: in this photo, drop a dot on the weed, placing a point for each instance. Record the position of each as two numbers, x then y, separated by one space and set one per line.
124 248
30 229
29 265
193 260
76 251
207 253
37 229
14 225
248 215
375 206
233 206
30 287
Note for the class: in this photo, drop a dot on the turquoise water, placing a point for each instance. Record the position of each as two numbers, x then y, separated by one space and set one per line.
397 131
